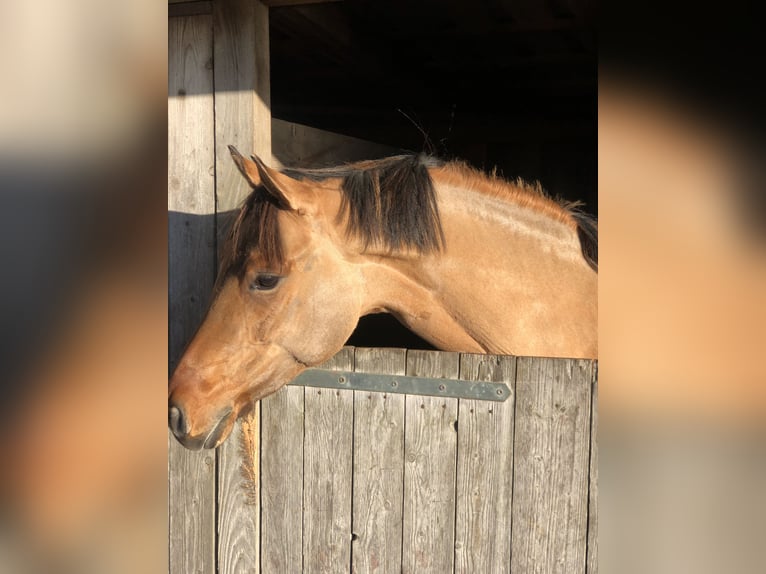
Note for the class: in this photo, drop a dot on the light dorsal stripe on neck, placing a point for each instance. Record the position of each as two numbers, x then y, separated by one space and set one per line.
391 205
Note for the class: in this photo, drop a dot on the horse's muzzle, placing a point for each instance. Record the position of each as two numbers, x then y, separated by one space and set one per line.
178 424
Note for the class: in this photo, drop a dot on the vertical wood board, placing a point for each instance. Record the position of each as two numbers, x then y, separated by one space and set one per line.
551 465
242 118
592 563
484 471
378 467
327 474
191 204
282 438
238 520
191 498
242 96
429 469
191 194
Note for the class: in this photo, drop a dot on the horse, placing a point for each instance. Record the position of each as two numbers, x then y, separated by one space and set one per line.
467 261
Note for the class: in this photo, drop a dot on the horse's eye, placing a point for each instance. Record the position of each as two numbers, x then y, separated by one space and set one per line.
264 282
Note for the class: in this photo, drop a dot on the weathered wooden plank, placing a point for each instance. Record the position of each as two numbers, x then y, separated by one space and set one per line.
484 471
242 118
195 7
592 550
191 498
297 145
282 481
378 467
191 204
551 465
279 3
238 521
191 199
327 452
242 97
429 469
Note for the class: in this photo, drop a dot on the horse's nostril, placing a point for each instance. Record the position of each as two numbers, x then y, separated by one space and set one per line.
177 422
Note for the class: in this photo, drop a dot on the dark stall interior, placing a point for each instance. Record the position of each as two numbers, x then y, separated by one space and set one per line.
503 85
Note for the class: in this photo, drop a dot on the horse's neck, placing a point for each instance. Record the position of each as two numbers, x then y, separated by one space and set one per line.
511 280
506 236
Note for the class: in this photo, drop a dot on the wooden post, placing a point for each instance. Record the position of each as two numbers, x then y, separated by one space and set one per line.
191 260
242 96
243 119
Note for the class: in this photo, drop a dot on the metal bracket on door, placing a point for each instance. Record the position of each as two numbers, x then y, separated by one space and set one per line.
480 390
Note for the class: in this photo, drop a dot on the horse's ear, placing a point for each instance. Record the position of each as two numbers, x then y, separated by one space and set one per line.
287 191
247 167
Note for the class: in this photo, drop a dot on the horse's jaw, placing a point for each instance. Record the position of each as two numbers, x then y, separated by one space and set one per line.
404 289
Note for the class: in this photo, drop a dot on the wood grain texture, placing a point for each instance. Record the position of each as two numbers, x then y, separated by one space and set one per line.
242 96
238 521
429 469
328 456
278 3
190 119
297 145
282 481
191 194
182 8
378 467
484 471
242 118
592 562
191 498
191 203
551 465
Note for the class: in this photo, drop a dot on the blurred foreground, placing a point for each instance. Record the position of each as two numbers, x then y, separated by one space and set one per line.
682 331
84 308
83 300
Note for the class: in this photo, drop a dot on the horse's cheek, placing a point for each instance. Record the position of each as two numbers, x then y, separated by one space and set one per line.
331 314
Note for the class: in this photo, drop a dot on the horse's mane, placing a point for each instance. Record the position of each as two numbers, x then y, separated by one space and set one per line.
388 203
391 204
